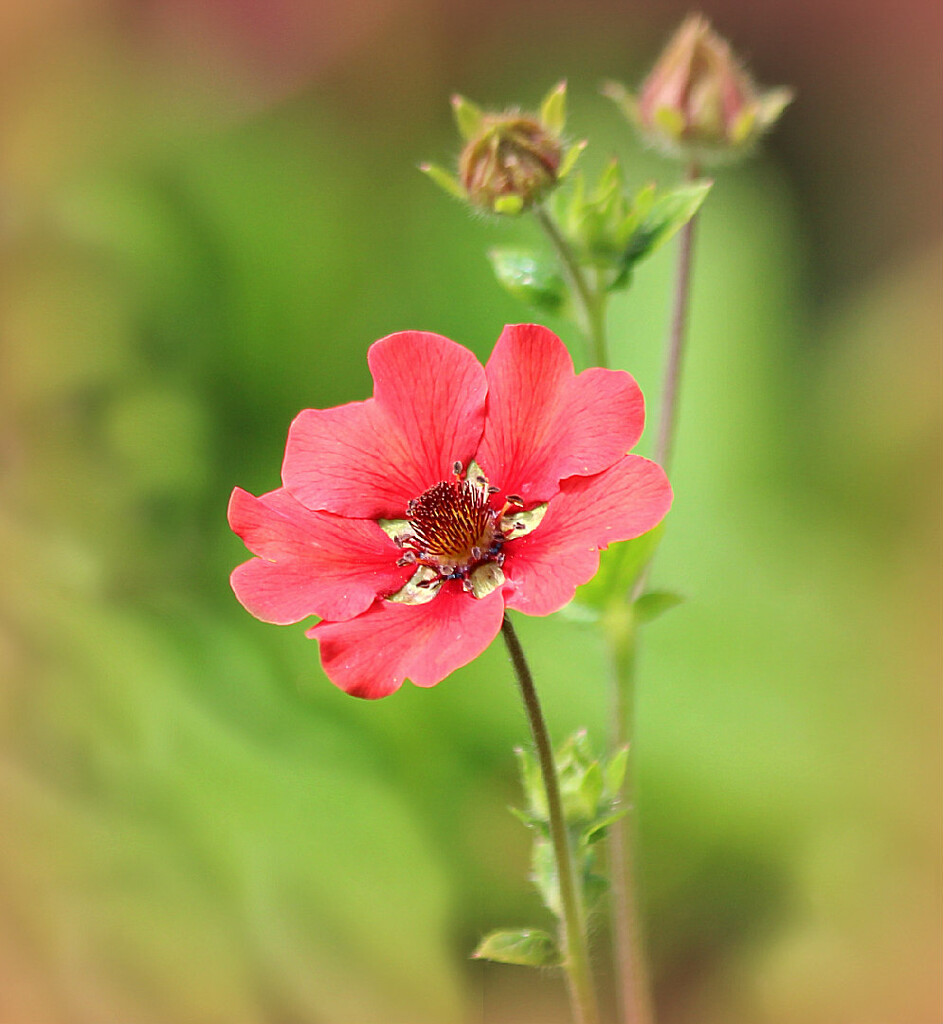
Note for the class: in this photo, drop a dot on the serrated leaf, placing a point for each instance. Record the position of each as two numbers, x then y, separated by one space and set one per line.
669 213
529 947
530 277
656 602
619 567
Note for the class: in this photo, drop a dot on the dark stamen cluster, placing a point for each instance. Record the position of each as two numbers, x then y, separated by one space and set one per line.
454 529
451 520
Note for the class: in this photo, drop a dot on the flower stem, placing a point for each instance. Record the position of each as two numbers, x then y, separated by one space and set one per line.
676 340
634 984
591 301
576 948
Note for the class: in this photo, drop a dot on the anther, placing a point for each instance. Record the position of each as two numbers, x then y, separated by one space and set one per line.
493 490
457 468
515 499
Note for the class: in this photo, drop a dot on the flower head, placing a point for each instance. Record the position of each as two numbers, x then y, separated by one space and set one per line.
699 102
410 521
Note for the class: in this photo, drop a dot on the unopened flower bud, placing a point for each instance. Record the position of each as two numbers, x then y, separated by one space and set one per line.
510 160
699 102
513 158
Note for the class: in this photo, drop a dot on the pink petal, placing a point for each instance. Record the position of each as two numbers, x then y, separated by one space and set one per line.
545 423
310 563
368 459
588 514
371 655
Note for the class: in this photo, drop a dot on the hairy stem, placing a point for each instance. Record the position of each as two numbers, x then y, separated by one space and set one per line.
576 947
676 340
590 301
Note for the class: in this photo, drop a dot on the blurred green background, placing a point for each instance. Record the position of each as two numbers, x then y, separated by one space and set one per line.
208 211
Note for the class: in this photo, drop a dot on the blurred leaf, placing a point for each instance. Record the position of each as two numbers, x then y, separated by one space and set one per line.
597 830
595 887
529 947
446 181
553 109
531 820
668 214
544 876
529 277
533 783
619 567
468 116
655 603
614 772
590 790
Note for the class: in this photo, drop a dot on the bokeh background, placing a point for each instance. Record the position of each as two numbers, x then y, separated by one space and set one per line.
208 210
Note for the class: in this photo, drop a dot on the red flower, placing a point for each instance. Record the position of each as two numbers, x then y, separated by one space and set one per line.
410 521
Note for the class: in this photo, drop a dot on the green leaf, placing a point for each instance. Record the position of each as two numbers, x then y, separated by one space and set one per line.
619 567
530 947
656 602
614 772
597 830
533 784
669 213
591 787
595 888
544 876
530 277
531 820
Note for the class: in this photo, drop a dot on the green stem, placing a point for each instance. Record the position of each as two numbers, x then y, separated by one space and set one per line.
670 390
634 985
576 948
632 980
591 301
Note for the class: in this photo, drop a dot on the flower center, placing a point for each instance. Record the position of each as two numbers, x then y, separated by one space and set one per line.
452 532
453 526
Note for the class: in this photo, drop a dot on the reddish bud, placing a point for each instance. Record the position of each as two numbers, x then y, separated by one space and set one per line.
699 102
511 163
